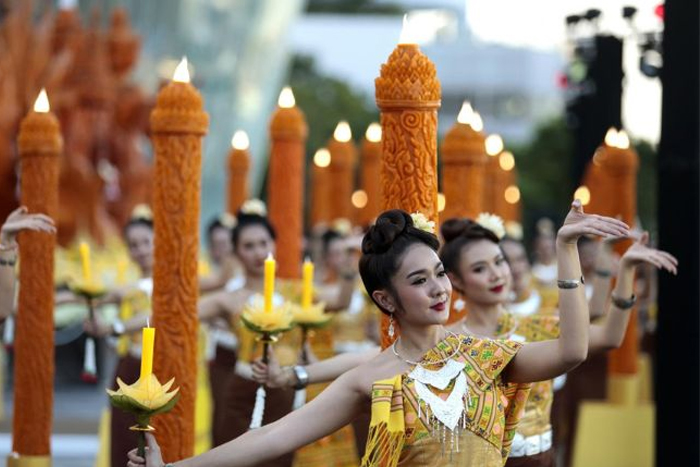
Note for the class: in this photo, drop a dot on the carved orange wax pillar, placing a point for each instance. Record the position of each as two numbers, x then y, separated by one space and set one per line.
178 123
463 166
40 145
320 188
371 169
341 171
238 167
408 96
620 166
285 187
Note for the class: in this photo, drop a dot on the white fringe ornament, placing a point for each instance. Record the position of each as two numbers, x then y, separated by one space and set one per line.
258 409
90 361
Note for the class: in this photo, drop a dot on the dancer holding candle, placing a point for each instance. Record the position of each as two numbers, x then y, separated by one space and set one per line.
406 279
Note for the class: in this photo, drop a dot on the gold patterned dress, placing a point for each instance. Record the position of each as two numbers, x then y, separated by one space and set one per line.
533 440
452 409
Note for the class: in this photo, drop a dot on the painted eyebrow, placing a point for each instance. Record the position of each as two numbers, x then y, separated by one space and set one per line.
498 256
423 271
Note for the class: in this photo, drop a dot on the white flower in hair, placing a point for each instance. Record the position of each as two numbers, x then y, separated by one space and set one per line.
493 223
227 220
421 222
343 226
254 206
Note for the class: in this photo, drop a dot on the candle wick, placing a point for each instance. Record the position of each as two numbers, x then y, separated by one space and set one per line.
148 322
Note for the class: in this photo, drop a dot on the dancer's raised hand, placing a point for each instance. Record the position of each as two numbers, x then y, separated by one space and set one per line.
578 223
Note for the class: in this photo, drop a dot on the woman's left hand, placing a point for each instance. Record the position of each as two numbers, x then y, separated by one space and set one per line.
578 223
640 252
153 455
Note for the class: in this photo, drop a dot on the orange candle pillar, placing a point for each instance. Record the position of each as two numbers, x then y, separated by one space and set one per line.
320 188
408 97
40 145
620 165
178 123
463 162
238 167
341 171
288 132
371 152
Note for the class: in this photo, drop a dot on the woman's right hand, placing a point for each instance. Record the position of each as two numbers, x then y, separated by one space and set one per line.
153 455
97 328
578 224
270 374
640 253
20 220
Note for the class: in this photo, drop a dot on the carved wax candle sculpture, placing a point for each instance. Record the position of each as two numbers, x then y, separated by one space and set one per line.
288 132
342 171
408 97
463 162
40 144
178 124
371 173
238 167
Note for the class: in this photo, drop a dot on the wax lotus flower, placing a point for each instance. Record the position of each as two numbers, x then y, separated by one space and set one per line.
145 398
492 222
277 320
421 222
254 207
88 289
312 316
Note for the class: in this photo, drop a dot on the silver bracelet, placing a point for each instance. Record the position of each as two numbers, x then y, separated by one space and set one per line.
623 303
568 284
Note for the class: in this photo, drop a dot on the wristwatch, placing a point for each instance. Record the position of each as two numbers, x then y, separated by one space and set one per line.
302 377
118 328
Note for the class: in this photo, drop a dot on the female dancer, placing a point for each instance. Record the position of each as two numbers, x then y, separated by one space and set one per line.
411 424
477 267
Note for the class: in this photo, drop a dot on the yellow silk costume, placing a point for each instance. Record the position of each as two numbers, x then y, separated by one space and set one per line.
405 432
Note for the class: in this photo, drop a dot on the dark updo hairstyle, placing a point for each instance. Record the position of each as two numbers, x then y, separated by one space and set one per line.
458 233
213 225
246 220
383 247
329 236
138 221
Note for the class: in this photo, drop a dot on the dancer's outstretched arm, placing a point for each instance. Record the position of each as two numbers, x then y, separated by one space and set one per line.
609 334
334 408
539 361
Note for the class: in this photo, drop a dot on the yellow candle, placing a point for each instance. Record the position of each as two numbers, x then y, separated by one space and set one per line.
269 288
148 339
122 266
85 261
308 283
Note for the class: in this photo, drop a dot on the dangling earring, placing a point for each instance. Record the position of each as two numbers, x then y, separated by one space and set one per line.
391 326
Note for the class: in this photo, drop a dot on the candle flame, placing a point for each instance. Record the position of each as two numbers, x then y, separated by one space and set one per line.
41 104
623 141
342 132
493 144
148 322
506 161
286 99
359 199
611 138
583 194
442 201
466 113
269 256
374 132
407 36
182 73
240 141
322 158
477 123
67 4
512 194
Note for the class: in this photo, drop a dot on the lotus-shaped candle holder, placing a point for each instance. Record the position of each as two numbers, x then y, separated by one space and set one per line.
275 321
311 317
144 399
89 290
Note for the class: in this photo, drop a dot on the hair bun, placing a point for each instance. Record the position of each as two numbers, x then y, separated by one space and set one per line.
384 232
455 227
